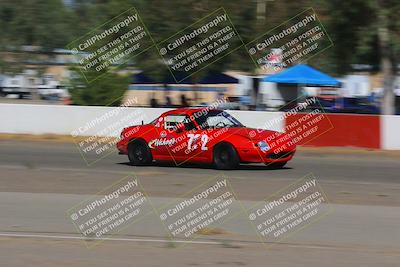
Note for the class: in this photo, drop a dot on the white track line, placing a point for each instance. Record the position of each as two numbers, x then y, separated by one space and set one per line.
108 238
304 246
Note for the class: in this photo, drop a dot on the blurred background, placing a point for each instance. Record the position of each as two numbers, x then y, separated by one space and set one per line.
36 67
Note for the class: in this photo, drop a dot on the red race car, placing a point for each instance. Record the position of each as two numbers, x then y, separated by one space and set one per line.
204 135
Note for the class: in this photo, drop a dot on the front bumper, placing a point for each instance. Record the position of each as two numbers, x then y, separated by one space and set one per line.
257 156
122 147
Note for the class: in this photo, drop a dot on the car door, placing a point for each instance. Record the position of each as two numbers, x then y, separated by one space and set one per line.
175 130
211 131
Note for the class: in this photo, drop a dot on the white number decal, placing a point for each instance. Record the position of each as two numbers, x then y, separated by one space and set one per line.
192 141
204 140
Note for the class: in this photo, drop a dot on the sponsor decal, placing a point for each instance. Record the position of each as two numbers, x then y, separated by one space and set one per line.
161 142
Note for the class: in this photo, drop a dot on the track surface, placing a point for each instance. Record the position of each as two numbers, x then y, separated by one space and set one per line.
41 180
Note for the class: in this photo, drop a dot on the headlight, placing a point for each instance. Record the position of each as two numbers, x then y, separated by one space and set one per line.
263 146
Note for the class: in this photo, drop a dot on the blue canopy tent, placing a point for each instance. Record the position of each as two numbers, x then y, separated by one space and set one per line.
302 74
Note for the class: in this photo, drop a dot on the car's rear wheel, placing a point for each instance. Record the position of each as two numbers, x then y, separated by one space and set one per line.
225 157
139 153
277 165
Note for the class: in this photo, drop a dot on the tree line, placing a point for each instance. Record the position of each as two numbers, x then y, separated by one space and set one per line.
362 31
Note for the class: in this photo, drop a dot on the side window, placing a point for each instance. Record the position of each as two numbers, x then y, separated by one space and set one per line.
172 121
189 125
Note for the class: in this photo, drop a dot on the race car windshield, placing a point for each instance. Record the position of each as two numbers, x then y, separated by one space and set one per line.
216 119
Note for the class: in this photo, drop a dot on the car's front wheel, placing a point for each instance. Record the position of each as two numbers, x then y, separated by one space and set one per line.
225 157
139 153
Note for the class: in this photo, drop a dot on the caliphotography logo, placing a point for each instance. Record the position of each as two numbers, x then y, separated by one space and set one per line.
111 44
97 138
110 211
295 40
199 45
289 210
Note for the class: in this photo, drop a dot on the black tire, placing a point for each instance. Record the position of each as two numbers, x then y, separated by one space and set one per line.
139 154
277 165
225 157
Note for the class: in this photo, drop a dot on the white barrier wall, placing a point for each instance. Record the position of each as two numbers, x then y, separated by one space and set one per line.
390 132
54 119
64 120
260 119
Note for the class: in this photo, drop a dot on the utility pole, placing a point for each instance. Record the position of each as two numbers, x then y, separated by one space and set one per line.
261 9
387 65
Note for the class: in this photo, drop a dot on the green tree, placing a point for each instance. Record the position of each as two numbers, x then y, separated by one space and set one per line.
45 23
107 90
367 32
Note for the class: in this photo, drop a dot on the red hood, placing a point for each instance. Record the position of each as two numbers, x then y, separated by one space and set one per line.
133 130
271 137
255 134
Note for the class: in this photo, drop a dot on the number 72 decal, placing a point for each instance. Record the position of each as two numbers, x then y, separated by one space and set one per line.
192 142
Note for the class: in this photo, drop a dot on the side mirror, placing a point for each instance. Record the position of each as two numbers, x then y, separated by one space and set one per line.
180 127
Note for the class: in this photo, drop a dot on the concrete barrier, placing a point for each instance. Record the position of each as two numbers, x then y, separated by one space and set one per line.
368 131
390 132
65 120
345 130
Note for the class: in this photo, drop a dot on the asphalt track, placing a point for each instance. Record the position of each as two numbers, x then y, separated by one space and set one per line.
40 181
